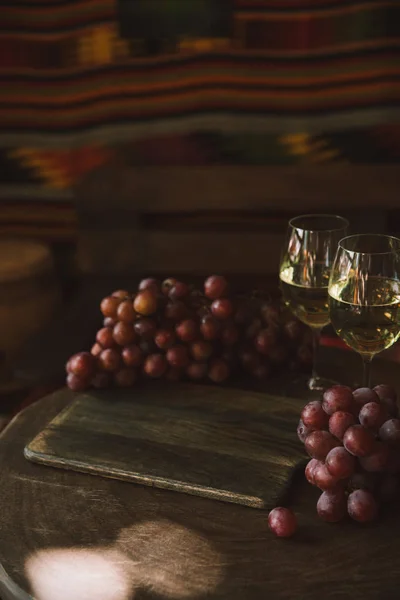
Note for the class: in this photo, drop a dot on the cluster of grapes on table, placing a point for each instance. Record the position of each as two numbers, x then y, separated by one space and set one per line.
174 331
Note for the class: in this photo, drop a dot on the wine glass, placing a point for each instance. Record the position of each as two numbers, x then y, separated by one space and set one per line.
364 294
304 272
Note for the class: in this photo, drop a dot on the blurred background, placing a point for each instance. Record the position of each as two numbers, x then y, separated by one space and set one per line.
176 137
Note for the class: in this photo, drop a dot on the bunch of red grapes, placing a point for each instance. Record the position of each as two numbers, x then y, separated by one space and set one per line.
353 438
172 330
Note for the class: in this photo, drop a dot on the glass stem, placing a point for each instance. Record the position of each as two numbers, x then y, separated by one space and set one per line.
316 334
366 370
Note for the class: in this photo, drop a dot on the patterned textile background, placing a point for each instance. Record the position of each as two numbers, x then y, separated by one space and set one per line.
187 82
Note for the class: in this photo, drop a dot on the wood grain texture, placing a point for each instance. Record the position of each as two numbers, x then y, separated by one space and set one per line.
179 546
226 444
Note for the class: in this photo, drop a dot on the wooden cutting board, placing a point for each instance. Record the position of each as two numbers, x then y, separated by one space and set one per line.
225 444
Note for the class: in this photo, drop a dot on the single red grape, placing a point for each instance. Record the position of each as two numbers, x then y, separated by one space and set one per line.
252 329
270 313
197 370
167 284
332 506
391 406
324 479
249 359
389 432
145 303
125 377
339 423
282 522
126 312
215 287
319 443
338 397
377 461
105 337
179 290
278 354
82 364
265 341
132 356
101 380
145 328
124 334
229 334
222 308
293 330
243 315
218 371
121 294
110 360
385 391
149 284
177 356
358 441
314 416
187 330
303 431
96 349
310 470
77 384
109 322
164 339
201 350
364 396
340 463
176 311
210 328
109 306
372 415
148 346
155 366
362 506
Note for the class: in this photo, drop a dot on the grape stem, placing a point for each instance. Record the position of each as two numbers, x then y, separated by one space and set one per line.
366 370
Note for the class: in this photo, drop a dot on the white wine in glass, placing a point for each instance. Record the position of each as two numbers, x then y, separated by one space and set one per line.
304 273
364 294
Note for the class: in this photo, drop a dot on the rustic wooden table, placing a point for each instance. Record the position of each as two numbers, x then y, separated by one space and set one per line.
67 536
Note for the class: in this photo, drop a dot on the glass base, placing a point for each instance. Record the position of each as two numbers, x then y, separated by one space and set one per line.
320 383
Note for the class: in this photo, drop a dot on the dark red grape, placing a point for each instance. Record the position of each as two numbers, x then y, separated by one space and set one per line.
391 406
340 463
314 416
109 306
362 506
253 328
372 415
389 432
177 356
377 461
201 350
265 341
385 391
132 356
222 308
261 372
324 479
215 287
243 315
149 284
164 338
101 380
249 359
173 374
155 366
179 290
76 384
110 360
82 364
229 334
218 371
310 470
187 330
145 303
105 337
109 322
145 328
148 346
167 284
363 481
124 334
364 396
282 522
303 431
319 443
339 422
293 330
126 312
358 441
125 377
389 488
270 313
332 506
121 294
210 328
176 311
96 349
197 370
338 397
278 355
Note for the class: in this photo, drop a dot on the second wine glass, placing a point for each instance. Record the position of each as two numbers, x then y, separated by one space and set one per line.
305 268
